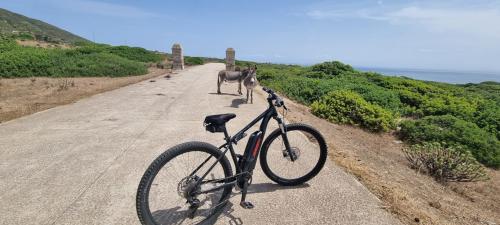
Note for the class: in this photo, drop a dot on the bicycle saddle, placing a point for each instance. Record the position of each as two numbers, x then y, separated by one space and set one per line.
219 119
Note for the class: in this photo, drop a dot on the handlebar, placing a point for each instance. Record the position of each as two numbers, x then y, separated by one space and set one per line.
278 102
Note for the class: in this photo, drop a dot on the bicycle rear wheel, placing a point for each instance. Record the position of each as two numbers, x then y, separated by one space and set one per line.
163 196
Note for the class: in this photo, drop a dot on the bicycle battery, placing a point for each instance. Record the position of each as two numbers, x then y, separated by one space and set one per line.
251 151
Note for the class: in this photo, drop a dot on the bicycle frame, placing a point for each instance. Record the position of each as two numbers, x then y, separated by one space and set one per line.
266 116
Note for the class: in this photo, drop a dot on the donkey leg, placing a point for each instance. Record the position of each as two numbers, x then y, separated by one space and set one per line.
251 96
218 84
239 88
247 96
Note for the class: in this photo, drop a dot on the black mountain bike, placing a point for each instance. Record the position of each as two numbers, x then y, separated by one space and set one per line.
189 183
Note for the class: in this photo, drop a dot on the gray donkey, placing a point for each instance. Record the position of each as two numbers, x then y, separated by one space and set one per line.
234 76
251 82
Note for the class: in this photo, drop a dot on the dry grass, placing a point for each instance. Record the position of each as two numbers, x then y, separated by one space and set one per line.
24 96
378 162
41 44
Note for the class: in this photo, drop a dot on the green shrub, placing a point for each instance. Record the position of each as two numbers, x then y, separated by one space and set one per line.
410 98
86 60
7 44
453 131
350 108
332 68
479 104
28 62
487 117
135 54
489 90
131 53
444 163
25 36
317 75
191 61
100 64
301 86
448 105
90 48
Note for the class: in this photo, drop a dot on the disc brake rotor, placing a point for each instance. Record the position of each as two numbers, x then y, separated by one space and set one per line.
186 186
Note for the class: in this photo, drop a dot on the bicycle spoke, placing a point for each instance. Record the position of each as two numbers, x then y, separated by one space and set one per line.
306 148
166 201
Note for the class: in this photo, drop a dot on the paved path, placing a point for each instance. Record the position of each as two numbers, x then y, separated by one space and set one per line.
81 163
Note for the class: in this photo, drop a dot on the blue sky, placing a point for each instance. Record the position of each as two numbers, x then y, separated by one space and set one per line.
456 35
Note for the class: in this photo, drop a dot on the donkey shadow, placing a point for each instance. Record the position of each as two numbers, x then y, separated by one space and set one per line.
235 103
222 93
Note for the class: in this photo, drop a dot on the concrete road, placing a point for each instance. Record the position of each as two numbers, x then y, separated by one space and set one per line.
81 163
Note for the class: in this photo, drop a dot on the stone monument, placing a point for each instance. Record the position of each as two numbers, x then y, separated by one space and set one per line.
230 59
177 57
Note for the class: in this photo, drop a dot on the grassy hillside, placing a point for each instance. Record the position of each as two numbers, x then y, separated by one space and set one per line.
464 117
15 24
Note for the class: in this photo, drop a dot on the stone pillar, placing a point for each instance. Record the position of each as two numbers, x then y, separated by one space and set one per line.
230 59
177 57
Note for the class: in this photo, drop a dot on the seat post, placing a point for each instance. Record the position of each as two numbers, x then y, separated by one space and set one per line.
226 135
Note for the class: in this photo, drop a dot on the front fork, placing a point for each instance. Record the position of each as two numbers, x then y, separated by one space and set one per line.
282 126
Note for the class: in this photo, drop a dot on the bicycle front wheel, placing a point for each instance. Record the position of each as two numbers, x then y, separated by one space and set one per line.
307 158
165 193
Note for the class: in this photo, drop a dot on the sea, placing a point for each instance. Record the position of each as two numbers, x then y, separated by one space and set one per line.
455 77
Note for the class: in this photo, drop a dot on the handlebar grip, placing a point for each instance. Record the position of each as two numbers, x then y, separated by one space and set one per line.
269 91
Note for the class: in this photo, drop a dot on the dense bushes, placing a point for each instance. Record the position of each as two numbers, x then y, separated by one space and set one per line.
349 107
303 88
444 163
131 53
342 94
487 117
453 131
135 54
27 62
488 89
86 60
191 61
332 68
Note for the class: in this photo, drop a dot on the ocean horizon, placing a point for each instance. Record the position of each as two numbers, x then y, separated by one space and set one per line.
446 76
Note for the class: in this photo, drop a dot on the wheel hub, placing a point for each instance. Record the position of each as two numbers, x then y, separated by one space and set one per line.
295 154
186 186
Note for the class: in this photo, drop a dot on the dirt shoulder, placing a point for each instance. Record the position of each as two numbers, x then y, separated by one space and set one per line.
24 96
378 162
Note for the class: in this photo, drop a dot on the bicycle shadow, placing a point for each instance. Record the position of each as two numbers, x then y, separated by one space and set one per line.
177 216
252 189
271 187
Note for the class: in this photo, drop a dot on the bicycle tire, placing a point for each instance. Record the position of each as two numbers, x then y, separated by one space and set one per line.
323 151
142 198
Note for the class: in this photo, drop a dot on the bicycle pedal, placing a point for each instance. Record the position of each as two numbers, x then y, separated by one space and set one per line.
246 205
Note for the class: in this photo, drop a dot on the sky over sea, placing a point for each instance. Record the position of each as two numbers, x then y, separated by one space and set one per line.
444 35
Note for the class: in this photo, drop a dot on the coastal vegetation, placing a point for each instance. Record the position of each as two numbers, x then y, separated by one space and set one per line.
465 118
84 59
